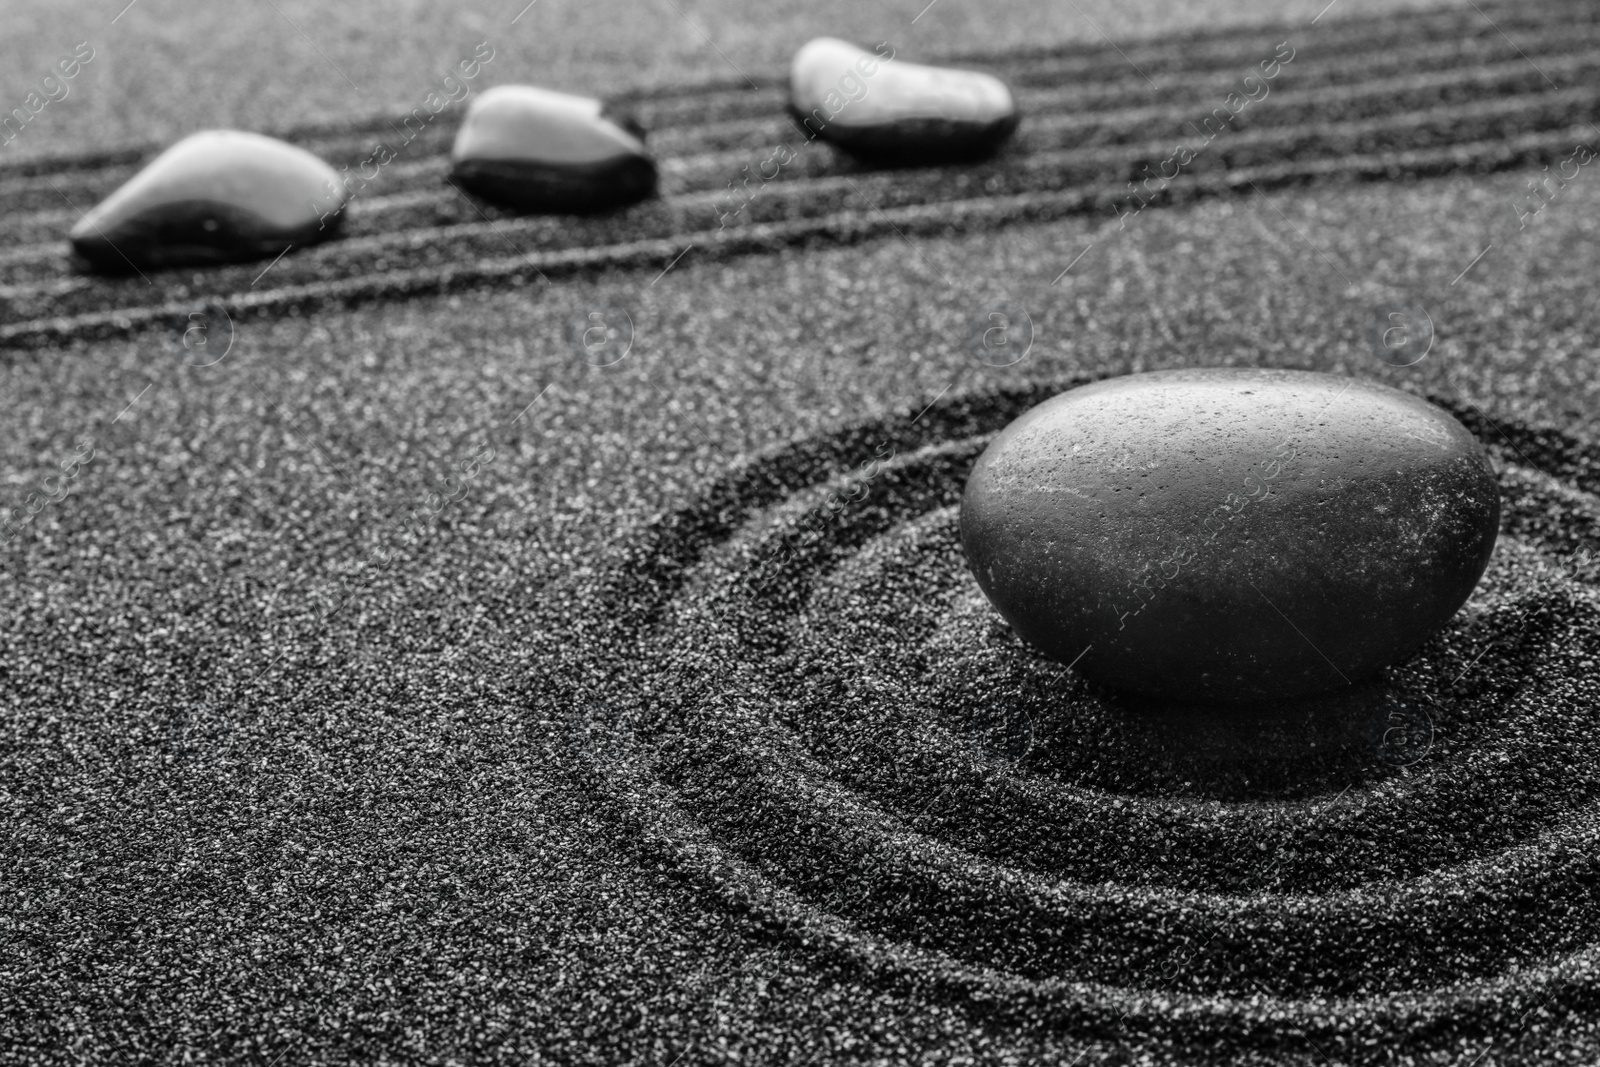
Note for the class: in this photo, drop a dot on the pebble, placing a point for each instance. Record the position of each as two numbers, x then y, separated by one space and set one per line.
537 150
890 111
217 196
1230 535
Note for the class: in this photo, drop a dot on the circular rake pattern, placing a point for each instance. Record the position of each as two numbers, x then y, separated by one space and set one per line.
798 698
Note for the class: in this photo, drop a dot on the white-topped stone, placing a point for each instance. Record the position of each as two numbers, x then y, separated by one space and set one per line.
214 197
876 105
539 150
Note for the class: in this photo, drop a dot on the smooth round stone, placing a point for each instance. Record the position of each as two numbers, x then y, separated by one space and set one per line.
537 150
218 196
1230 535
891 111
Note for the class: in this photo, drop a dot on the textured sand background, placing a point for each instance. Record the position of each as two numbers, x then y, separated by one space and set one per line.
285 783
169 66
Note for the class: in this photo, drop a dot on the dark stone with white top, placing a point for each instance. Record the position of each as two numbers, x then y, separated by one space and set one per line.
218 196
537 150
1230 535
889 111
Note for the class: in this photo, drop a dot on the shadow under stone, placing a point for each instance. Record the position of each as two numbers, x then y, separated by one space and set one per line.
1288 749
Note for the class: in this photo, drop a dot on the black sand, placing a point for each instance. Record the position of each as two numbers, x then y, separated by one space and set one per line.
540 778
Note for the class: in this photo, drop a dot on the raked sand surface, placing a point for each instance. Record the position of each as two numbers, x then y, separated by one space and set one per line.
164 68
413 684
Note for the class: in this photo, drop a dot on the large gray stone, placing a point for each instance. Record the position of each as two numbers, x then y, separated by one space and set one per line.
1222 535
214 197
